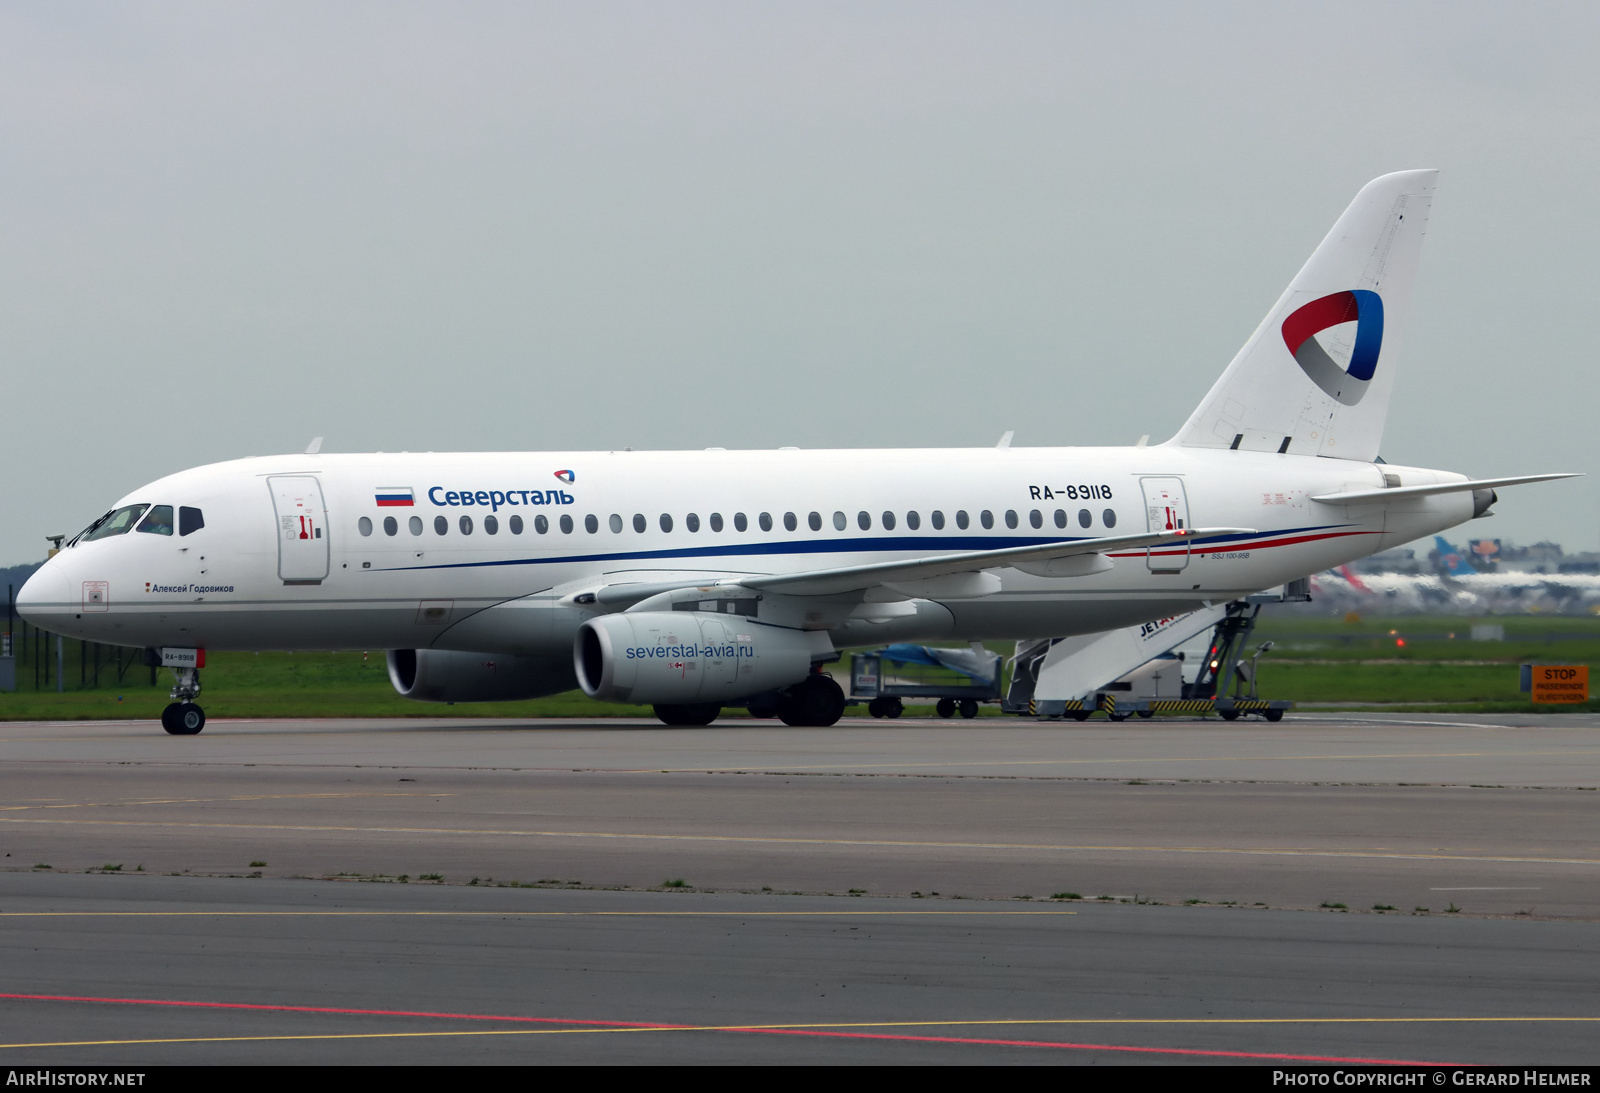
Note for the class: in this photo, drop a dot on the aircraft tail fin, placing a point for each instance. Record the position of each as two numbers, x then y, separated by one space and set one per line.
1455 563
1315 377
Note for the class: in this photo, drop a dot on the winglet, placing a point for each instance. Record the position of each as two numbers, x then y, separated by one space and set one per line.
315 446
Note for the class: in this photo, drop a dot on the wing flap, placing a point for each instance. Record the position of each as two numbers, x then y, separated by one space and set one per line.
832 582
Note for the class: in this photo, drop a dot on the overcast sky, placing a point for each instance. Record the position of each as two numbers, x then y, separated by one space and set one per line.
228 228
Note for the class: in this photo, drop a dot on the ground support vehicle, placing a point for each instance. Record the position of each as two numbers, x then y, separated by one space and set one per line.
1138 671
957 680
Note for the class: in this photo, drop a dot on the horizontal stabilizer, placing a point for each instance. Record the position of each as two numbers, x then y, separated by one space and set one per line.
1401 492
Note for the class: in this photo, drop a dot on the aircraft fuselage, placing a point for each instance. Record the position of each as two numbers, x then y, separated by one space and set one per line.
496 552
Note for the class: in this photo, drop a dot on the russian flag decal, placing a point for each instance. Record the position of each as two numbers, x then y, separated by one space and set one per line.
395 497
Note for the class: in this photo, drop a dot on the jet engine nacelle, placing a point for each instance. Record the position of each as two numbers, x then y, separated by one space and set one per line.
676 657
441 675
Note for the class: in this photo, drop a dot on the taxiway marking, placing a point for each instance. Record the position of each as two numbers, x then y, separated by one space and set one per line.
964 1040
1292 852
473 914
216 800
968 1023
847 767
842 1030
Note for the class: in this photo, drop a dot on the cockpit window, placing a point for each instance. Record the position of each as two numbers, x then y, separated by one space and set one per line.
191 520
159 522
116 522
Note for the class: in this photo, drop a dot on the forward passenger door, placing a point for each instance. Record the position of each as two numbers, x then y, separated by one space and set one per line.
301 525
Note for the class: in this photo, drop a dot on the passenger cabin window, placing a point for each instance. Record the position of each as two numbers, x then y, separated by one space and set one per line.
441 526
190 520
715 520
615 523
390 527
159 522
1110 517
1084 519
590 524
789 522
491 525
117 522
541 525
961 519
1011 518
364 525
415 524
466 525
566 524
913 521
766 521
840 521
888 521
1036 519
986 518
515 523
692 522
666 522
814 521
1061 518
937 519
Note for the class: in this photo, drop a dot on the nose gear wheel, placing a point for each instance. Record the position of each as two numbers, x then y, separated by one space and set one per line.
183 719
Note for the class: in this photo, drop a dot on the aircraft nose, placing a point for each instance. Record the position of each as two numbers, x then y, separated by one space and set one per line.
45 596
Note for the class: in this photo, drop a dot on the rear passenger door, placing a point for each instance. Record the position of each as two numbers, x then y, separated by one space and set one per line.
1166 507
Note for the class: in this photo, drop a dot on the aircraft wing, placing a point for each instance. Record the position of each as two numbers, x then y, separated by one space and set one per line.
1401 492
829 582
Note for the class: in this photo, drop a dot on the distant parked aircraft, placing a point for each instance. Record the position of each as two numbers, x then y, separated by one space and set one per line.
1455 562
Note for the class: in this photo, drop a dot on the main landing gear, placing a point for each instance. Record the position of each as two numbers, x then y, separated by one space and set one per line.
694 713
183 717
816 701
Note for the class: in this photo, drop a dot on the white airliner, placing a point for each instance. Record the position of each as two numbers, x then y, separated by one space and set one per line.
691 581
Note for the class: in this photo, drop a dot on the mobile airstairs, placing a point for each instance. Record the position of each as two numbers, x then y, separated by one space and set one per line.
1136 671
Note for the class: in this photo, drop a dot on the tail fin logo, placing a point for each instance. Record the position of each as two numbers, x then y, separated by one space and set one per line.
1360 306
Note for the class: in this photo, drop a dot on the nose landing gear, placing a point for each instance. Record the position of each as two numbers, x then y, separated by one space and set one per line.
183 717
